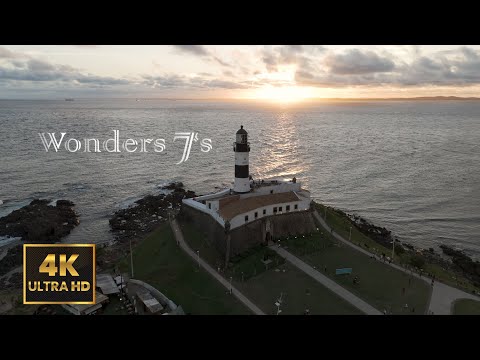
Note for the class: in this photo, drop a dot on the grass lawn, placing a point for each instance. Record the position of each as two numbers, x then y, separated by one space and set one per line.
161 263
263 286
299 290
466 307
341 225
379 284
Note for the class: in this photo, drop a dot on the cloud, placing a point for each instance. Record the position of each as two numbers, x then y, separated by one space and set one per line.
355 61
199 82
8 54
87 46
35 70
202 52
246 68
199 50
460 67
273 57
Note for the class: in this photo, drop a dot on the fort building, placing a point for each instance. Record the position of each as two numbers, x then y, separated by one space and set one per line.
251 212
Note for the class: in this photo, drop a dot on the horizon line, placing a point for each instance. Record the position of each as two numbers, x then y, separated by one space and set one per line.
440 97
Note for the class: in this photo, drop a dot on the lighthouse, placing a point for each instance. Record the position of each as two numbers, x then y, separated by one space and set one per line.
241 147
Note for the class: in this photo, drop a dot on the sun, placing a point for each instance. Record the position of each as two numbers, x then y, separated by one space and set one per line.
283 94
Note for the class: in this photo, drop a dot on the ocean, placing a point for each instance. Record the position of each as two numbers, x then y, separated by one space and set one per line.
411 166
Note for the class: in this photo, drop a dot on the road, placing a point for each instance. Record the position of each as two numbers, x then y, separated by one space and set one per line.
181 241
443 295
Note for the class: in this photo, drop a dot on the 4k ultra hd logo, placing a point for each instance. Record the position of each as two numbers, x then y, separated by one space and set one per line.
59 274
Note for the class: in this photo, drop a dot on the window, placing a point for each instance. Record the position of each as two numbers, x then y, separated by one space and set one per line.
256 214
280 209
209 205
288 208
246 218
275 210
264 211
296 206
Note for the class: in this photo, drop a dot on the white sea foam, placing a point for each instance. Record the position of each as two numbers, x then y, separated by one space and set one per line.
5 240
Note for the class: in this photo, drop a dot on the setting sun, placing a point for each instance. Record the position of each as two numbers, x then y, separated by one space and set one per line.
283 93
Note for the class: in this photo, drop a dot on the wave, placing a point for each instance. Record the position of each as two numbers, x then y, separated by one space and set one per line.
10 207
5 240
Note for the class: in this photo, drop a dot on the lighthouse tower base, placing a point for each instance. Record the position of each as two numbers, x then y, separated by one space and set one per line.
241 185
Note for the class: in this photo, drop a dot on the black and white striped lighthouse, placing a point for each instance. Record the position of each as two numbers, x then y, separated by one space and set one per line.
241 147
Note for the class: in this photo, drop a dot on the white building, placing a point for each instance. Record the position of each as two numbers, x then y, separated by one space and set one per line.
251 200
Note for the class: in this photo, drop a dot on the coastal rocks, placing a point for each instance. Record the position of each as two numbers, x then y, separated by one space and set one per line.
148 212
470 268
39 222
379 234
11 260
178 185
459 263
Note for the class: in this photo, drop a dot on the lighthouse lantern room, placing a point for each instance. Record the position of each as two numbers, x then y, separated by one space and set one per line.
241 147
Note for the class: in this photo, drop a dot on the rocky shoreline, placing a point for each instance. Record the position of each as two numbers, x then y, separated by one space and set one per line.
37 222
457 261
135 222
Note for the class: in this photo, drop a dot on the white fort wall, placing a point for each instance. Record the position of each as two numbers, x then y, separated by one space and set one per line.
211 208
239 220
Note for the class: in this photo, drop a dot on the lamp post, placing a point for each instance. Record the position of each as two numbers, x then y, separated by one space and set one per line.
350 235
231 288
393 248
278 303
198 257
131 256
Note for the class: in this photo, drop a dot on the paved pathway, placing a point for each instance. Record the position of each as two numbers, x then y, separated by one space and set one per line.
443 295
209 269
327 282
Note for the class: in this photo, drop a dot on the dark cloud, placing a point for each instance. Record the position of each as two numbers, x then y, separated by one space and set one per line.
199 50
198 82
355 68
358 62
273 57
41 71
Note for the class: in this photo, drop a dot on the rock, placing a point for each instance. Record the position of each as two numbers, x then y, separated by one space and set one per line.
39 222
148 212
13 259
173 186
67 203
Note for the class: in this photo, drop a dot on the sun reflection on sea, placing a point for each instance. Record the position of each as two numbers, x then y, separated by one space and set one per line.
284 142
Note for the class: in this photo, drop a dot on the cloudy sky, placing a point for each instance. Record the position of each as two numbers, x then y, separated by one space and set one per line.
285 72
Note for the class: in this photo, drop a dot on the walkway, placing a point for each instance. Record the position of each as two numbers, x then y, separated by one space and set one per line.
443 295
209 269
328 283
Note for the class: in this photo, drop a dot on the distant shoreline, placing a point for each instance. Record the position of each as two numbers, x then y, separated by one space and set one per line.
308 100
